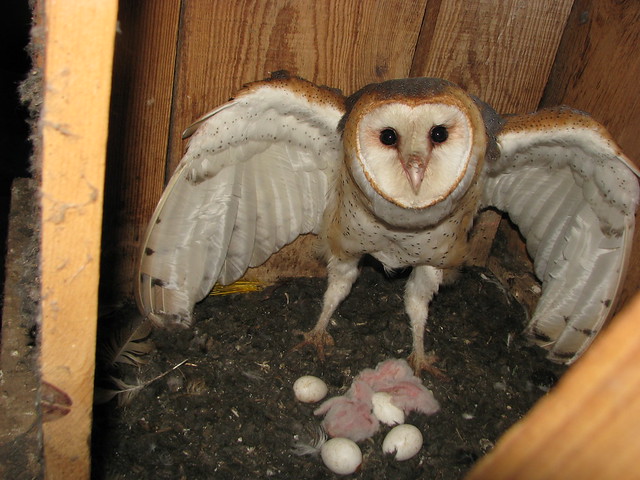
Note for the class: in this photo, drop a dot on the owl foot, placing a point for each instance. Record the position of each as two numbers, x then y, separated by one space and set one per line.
316 338
421 362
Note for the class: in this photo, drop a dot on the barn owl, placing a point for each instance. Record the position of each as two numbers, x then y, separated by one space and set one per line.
398 171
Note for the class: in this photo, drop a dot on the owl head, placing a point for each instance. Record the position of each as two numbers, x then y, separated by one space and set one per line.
413 146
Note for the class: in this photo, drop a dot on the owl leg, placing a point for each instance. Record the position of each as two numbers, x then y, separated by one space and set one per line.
341 275
422 285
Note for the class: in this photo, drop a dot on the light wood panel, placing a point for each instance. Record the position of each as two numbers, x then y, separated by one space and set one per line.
597 70
74 129
341 44
500 51
143 75
587 427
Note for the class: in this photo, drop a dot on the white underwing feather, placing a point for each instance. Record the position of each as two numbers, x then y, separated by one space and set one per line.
573 197
254 177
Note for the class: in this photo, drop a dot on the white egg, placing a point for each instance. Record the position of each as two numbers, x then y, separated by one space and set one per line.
309 389
341 455
385 411
404 440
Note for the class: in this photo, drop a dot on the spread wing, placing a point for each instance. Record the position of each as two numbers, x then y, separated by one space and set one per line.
573 194
254 177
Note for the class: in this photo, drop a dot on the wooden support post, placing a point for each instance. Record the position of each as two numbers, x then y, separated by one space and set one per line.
78 59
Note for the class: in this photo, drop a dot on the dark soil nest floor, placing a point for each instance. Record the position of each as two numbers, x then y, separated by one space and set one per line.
229 411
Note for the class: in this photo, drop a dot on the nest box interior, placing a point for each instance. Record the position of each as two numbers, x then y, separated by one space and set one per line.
124 82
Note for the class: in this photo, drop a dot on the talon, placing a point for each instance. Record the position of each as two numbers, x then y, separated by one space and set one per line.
421 362
319 339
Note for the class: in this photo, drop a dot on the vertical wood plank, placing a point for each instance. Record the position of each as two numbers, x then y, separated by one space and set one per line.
597 70
341 44
143 74
74 134
587 427
500 51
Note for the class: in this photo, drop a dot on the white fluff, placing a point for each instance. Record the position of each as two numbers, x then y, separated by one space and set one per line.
385 410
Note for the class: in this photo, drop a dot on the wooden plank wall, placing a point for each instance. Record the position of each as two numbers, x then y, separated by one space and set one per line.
140 113
175 61
500 52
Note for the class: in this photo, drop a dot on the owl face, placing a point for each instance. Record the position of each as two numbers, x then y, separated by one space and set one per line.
414 155
413 146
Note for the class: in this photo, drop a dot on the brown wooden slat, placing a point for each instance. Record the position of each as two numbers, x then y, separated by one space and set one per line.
500 51
342 44
74 129
139 127
597 70
587 427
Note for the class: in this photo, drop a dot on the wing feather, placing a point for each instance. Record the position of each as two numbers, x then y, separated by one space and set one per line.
573 194
254 177
243 236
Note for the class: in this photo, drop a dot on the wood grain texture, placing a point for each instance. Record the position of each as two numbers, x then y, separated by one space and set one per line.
597 70
344 45
74 126
587 427
139 130
500 51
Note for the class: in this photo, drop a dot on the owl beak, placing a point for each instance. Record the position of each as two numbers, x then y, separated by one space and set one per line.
414 168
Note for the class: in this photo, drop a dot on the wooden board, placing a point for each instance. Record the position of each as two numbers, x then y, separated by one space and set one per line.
597 70
74 130
587 427
500 51
143 74
341 44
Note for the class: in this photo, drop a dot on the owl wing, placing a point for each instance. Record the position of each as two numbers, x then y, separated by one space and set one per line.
254 177
573 194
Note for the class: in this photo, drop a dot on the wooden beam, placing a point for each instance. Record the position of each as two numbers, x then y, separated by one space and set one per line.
587 426
20 419
78 58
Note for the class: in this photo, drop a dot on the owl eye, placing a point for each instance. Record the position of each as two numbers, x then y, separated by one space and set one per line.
388 136
439 134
